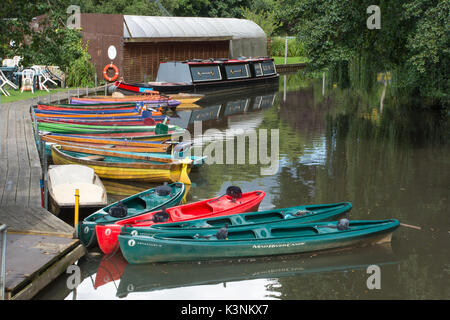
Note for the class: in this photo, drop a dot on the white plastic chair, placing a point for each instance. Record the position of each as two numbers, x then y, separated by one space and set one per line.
16 60
5 81
8 63
27 79
46 76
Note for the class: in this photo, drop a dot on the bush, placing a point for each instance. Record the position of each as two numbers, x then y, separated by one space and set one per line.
295 47
81 71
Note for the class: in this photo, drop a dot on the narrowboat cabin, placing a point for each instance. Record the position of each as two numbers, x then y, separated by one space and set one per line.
198 75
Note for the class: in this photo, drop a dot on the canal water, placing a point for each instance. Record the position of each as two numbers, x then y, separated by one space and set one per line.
391 160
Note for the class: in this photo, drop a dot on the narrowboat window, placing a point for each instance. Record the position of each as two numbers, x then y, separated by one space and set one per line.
205 73
258 69
238 71
268 67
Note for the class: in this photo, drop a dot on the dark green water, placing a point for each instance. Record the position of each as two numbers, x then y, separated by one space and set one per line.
390 162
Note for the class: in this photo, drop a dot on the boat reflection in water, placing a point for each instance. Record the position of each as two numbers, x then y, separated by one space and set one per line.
159 276
216 108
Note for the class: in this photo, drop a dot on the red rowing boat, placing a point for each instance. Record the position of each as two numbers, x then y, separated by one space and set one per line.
223 205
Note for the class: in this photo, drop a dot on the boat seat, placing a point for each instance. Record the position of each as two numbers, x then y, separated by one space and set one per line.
221 205
95 158
261 233
176 214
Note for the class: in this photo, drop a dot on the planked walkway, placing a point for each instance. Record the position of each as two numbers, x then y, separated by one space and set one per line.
40 246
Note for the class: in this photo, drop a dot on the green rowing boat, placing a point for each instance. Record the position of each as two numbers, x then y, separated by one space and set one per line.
83 128
292 215
254 240
150 200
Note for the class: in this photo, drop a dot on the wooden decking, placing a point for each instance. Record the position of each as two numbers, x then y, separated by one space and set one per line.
40 246
20 167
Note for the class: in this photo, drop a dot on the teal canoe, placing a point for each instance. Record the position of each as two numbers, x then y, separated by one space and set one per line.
254 240
291 215
149 200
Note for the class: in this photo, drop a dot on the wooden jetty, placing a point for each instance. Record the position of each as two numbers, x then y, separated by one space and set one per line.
285 68
40 246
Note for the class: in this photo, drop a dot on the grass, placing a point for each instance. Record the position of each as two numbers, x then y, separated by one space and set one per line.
290 60
16 95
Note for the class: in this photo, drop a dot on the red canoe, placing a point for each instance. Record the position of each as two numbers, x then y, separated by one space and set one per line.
223 205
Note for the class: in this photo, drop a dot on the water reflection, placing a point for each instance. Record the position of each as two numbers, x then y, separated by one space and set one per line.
333 147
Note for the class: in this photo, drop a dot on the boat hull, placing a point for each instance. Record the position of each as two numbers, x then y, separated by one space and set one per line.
137 204
130 89
158 248
134 171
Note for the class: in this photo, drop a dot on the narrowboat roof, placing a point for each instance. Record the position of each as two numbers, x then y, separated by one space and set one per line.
220 61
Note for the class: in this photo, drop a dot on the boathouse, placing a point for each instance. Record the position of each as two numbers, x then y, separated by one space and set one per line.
142 42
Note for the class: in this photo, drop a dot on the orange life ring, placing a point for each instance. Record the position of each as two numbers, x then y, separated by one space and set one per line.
105 74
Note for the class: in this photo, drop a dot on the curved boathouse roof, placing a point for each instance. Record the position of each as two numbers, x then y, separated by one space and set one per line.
246 37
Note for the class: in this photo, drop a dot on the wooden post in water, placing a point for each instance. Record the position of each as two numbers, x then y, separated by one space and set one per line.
44 158
77 208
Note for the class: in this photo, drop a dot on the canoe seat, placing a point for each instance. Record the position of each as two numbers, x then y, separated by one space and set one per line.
95 158
221 205
176 214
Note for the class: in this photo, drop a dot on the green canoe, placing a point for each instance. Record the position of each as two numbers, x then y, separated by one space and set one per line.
149 200
254 240
293 215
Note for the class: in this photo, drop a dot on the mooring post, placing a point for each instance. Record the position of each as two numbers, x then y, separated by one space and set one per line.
3 265
285 50
77 208
44 158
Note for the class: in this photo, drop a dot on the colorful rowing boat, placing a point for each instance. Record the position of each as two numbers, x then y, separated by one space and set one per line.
148 200
116 144
118 167
152 100
162 149
224 205
95 129
254 240
197 161
126 121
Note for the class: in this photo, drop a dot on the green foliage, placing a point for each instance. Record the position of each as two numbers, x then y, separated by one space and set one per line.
413 42
295 47
81 70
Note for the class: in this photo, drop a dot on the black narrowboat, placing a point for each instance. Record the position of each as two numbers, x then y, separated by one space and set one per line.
198 75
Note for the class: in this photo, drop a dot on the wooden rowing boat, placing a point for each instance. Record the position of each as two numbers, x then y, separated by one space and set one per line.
163 148
223 205
95 129
116 144
148 200
197 161
253 240
117 167
130 121
152 100
64 179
